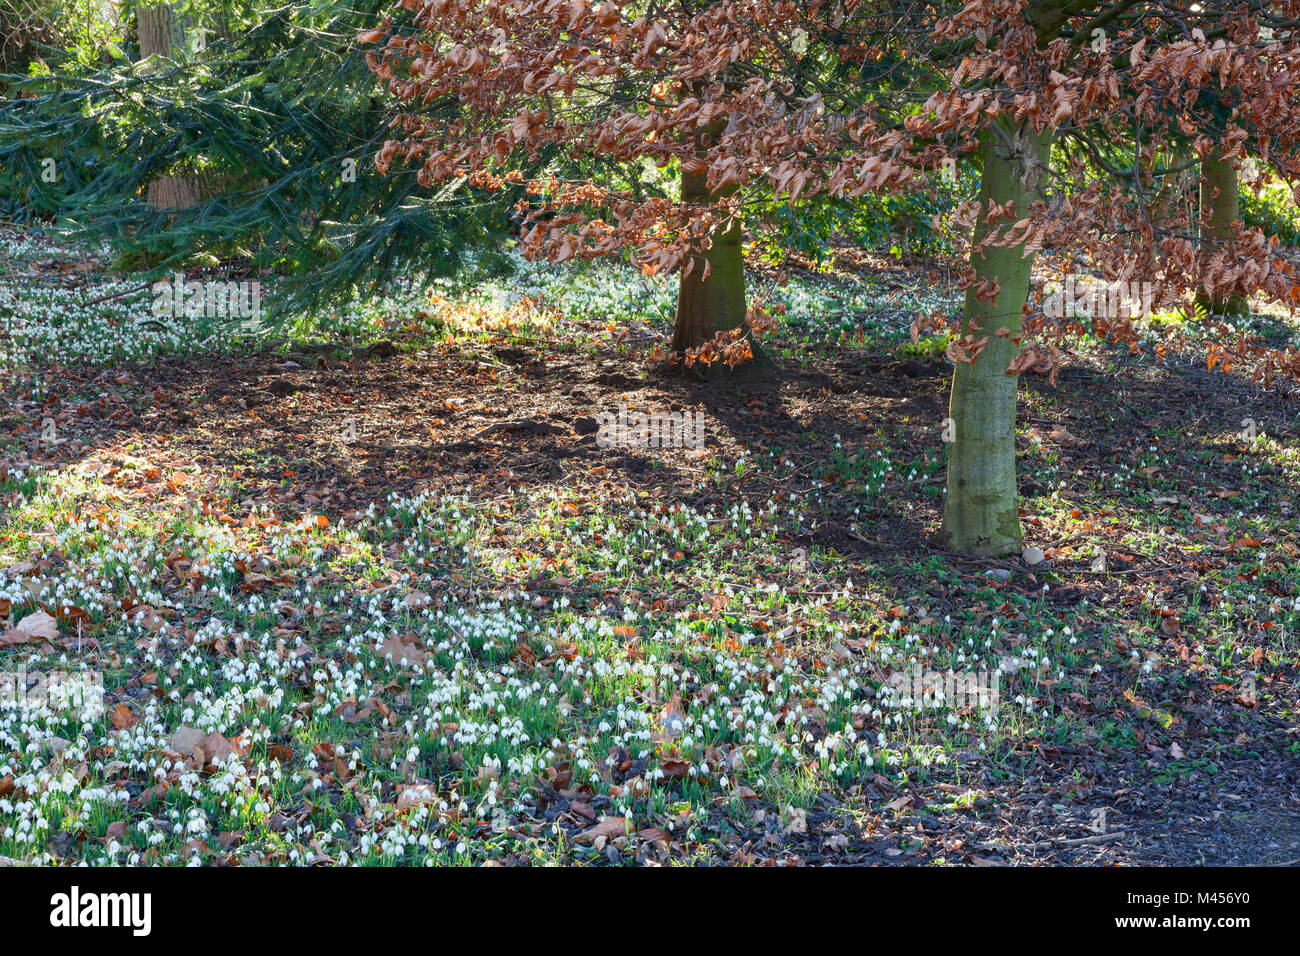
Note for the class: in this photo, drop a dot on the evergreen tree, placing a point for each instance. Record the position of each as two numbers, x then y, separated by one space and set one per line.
276 112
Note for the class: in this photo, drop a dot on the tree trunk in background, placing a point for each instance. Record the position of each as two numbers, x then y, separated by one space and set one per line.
1220 208
981 511
13 46
162 33
706 307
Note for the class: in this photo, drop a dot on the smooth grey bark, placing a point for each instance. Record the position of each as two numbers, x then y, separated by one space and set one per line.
981 510
1220 208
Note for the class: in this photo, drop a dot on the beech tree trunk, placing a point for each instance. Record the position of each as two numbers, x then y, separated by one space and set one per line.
706 307
981 511
162 33
1220 208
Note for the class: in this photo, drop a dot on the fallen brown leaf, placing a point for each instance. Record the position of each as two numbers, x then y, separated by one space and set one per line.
123 718
609 828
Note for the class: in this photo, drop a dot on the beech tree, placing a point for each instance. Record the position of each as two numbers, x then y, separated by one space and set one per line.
1220 208
1066 107
731 100
1078 78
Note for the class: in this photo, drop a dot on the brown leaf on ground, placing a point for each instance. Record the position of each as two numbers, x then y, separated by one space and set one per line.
672 769
149 796
123 718
116 831
406 647
559 776
219 746
609 828
347 711
147 617
416 795
37 626
187 738
417 599
204 747
71 615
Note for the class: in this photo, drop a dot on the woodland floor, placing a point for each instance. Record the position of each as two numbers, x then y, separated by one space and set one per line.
586 672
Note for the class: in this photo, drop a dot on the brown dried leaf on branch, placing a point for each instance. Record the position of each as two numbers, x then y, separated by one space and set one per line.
588 79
